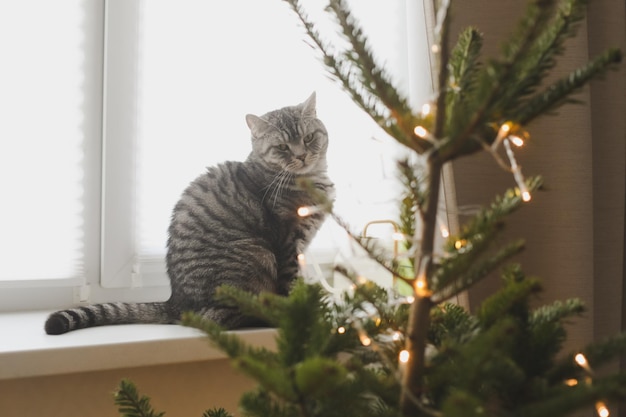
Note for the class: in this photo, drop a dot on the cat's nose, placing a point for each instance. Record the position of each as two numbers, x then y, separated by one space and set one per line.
301 157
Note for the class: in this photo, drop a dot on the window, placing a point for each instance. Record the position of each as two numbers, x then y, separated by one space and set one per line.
41 145
178 77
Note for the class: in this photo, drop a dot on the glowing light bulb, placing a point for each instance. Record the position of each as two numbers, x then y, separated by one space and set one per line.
426 108
421 131
341 330
435 49
581 360
445 233
396 336
361 280
410 299
404 356
505 128
516 140
602 410
302 260
305 211
526 197
365 340
459 244
571 382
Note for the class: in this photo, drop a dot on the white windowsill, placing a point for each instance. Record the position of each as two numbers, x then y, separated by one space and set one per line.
26 351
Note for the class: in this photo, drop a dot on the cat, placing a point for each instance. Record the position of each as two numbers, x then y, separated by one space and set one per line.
235 224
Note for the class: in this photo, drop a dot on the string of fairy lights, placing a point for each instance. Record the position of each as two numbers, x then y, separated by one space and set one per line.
509 133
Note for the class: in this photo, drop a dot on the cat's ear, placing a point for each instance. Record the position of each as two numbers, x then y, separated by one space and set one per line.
308 107
257 125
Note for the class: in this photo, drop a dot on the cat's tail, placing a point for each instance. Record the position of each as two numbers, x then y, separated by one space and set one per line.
106 314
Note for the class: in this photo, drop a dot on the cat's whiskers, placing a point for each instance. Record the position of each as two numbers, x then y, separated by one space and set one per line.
277 185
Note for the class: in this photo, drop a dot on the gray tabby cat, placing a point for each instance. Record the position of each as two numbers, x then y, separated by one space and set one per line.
236 224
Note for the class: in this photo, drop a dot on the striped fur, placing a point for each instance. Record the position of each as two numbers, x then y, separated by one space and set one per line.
236 224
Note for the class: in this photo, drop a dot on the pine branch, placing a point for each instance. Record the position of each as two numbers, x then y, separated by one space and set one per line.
342 69
372 77
413 199
130 404
228 342
216 412
464 67
375 250
505 301
466 279
557 94
541 56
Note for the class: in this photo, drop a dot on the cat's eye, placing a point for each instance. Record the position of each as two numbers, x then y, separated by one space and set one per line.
309 138
282 147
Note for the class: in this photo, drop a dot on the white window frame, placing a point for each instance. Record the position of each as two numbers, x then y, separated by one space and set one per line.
111 272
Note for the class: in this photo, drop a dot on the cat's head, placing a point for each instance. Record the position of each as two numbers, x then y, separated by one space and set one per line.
290 139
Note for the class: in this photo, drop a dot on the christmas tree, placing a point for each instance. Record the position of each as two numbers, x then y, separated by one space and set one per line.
376 352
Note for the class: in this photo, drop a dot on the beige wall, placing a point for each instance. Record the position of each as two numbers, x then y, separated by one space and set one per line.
183 390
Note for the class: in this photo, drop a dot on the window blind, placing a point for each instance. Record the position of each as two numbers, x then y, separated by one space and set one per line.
41 140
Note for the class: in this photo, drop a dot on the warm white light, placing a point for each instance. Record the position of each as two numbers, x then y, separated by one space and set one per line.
435 49
602 410
581 360
305 211
365 340
571 382
404 356
398 237
410 299
445 233
516 140
396 336
341 330
426 109
302 260
361 280
421 131
460 243
526 196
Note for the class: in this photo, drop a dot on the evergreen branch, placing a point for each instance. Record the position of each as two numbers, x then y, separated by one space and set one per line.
131 404
275 379
303 329
536 18
216 412
477 272
375 250
556 95
464 66
341 69
464 60
229 343
562 399
489 217
458 270
546 335
372 77
557 311
540 60
494 79
248 304
449 322
504 301
261 404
